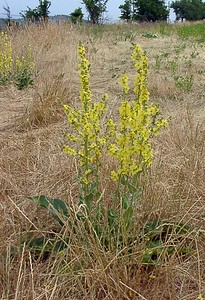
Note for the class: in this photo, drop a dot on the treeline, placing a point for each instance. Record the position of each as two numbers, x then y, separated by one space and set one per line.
190 10
131 10
143 11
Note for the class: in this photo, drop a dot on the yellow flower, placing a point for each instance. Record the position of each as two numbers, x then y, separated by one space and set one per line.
6 60
200 297
69 150
13 68
138 123
115 176
87 140
124 83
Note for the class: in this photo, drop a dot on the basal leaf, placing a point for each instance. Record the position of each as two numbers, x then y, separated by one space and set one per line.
56 207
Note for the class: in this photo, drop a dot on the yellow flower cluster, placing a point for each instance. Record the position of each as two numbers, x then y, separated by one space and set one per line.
85 93
130 139
200 297
12 67
24 64
23 70
86 141
6 60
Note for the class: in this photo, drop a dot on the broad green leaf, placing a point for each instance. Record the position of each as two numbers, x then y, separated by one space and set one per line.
56 207
128 214
113 217
125 201
40 244
88 200
60 246
123 180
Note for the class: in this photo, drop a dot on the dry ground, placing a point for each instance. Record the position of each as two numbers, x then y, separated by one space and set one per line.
32 129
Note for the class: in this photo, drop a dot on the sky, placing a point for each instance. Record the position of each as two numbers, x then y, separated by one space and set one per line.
58 7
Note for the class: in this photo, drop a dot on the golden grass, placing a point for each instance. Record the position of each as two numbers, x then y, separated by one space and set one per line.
32 128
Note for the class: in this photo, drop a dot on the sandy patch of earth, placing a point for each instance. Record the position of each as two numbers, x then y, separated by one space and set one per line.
13 105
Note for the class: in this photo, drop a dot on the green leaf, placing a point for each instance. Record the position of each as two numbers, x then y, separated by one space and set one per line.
40 243
128 214
43 244
113 218
88 200
56 207
132 188
136 194
123 180
147 259
93 186
125 201
98 195
116 197
60 246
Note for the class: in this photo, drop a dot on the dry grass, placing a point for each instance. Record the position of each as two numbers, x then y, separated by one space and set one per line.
32 128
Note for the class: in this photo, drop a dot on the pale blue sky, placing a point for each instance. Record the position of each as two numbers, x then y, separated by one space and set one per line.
58 7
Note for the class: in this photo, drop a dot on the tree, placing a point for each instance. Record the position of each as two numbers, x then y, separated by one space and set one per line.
150 10
95 9
126 10
43 8
31 14
39 13
76 16
8 14
191 10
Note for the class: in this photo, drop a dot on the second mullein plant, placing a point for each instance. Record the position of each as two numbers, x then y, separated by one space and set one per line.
15 69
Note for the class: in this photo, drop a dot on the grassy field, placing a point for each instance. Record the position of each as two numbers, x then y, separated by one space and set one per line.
32 162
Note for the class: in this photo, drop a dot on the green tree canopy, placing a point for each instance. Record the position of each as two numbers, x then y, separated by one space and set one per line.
126 10
190 10
95 9
43 8
150 10
39 13
76 16
141 10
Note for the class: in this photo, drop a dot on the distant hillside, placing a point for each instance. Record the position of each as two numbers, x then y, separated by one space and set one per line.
56 18
3 22
59 18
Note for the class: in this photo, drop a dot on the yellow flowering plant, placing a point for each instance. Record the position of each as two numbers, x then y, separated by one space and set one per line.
128 141
6 59
23 70
15 69
130 138
86 142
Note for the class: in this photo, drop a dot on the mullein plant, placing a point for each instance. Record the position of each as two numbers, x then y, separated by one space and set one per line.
15 69
6 59
127 141
23 70
87 141
130 137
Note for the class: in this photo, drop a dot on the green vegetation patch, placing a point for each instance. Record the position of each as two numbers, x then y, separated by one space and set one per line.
196 31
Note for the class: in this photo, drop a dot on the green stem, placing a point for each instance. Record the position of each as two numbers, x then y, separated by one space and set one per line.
86 164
